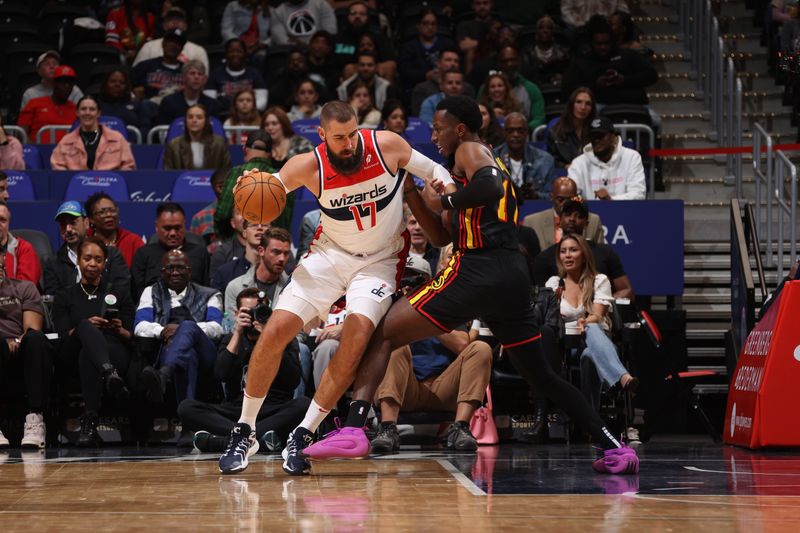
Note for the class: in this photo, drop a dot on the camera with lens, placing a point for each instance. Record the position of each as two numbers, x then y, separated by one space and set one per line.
261 312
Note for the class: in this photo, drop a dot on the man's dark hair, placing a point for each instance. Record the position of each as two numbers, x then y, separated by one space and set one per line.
453 49
3 176
451 71
169 207
369 53
93 240
336 110
279 234
219 176
464 109
249 292
93 199
234 40
322 33
597 25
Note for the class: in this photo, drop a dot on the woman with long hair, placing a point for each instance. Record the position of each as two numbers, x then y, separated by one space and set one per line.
243 113
92 146
497 95
116 99
306 101
94 321
198 147
361 99
585 299
491 133
566 139
285 143
394 117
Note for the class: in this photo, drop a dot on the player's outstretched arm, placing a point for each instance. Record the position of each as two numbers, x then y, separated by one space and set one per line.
300 171
413 161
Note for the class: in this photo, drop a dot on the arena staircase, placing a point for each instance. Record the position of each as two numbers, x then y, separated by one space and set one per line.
700 180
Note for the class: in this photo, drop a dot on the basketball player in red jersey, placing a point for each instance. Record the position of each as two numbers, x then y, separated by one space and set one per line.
487 277
359 250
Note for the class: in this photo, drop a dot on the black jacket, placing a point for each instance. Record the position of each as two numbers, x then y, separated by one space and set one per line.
59 272
634 67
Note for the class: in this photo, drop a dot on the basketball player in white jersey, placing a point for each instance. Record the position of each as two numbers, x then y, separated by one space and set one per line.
359 250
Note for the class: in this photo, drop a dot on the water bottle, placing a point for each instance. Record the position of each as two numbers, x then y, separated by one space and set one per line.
228 323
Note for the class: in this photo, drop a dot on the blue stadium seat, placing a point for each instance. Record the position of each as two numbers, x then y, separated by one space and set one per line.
417 131
115 123
178 127
193 186
30 154
20 186
307 128
84 184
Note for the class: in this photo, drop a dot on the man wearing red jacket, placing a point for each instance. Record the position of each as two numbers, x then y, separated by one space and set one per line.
21 259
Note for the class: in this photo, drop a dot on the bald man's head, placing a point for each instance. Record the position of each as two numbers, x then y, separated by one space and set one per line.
564 188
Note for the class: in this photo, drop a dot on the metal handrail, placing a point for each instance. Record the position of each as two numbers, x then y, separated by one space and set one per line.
136 132
51 129
538 134
639 129
763 175
238 132
17 132
161 131
752 236
783 165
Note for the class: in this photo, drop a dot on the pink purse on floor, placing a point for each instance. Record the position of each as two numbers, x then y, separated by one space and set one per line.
482 424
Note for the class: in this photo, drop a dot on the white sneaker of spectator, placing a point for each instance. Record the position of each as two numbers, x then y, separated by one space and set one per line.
4 441
632 435
35 433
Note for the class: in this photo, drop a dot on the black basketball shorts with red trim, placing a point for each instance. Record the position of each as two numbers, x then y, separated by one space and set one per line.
490 284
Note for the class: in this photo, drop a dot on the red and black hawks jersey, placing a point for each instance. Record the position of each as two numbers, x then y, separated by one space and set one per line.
489 226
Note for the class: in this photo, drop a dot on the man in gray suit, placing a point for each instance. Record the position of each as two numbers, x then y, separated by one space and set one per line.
545 223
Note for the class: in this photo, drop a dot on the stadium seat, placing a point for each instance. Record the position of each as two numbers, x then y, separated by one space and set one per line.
417 131
216 56
39 241
53 18
30 154
16 14
19 56
115 123
178 127
193 186
20 186
84 184
307 128
18 34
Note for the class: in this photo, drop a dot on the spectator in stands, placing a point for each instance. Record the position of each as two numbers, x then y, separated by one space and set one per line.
585 297
161 76
46 66
448 60
547 223
247 20
54 110
532 170
361 100
348 42
418 56
283 83
203 221
624 32
233 247
243 113
285 143
235 75
616 76
441 373
62 270
21 261
92 146
322 67
325 339
451 84
525 91
94 319
394 117
608 170
306 101
308 228
491 133
479 61
128 27
499 98
420 246
279 413
116 100
104 224
26 358
295 21
241 261
173 19
176 105
380 88
548 59
269 275
4 196
170 235
573 220
257 152
472 31
568 136
10 152
187 318
198 147
576 13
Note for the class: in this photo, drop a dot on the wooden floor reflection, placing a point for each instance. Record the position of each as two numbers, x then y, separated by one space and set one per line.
408 494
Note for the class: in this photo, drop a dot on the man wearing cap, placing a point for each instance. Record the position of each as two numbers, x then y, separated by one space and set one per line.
61 270
547 223
161 76
21 261
55 109
257 155
45 66
175 18
607 170
441 373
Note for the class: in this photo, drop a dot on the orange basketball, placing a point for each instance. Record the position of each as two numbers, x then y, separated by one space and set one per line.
259 197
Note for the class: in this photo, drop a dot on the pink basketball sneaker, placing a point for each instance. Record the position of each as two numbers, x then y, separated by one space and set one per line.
342 443
617 461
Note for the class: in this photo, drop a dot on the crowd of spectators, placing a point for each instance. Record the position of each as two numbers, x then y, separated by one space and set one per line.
266 66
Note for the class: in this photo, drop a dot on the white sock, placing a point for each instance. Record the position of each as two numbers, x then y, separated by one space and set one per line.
250 408
314 416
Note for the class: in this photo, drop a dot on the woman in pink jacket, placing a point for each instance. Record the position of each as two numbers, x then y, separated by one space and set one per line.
91 146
